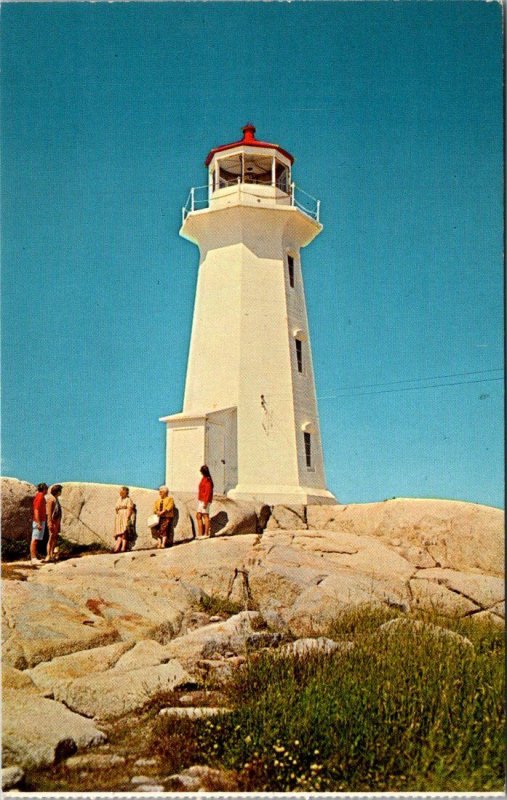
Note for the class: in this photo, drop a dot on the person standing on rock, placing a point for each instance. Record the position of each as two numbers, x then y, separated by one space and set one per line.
38 521
164 508
54 518
204 500
124 519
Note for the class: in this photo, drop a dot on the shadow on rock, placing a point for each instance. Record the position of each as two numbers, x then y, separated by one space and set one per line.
218 522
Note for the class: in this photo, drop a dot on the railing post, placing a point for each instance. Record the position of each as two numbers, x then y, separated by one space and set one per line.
293 190
318 210
192 193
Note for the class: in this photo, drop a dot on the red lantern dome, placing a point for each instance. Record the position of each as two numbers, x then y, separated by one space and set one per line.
248 140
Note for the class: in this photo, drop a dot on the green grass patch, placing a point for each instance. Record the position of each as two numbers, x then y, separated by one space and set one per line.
214 604
404 712
359 620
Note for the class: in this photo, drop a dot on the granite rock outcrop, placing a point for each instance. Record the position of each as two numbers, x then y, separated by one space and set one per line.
98 636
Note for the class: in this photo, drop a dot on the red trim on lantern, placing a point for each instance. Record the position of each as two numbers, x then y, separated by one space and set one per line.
249 140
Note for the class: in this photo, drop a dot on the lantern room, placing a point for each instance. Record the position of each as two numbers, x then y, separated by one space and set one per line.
248 172
249 162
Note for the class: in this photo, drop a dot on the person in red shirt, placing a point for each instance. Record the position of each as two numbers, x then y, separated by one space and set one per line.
38 521
204 500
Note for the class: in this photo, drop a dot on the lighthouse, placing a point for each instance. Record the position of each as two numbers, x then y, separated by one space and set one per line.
249 409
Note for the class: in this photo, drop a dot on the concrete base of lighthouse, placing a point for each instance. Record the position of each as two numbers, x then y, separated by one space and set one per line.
283 495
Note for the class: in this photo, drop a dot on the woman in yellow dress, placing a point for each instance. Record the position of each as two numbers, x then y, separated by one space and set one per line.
164 507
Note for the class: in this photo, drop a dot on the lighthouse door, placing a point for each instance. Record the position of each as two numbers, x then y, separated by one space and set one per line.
215 454
221 448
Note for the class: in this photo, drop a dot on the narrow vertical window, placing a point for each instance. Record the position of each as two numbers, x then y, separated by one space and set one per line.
299 354
290 264
308 449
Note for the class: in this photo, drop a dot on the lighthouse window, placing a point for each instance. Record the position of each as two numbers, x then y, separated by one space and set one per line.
282 177
290 264
308 449
299 354
257 169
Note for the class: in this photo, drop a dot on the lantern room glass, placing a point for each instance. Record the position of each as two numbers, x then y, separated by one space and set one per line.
248 168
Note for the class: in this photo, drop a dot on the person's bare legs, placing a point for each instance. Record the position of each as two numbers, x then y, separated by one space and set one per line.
199 525
206 524
53 538
33 549
164 530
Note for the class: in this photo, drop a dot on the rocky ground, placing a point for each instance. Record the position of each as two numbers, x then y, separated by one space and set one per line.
93 640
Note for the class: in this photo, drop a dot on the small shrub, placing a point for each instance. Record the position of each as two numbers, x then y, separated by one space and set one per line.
15 549
214 604
175 739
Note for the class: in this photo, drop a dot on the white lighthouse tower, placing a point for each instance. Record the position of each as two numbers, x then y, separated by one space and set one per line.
249 411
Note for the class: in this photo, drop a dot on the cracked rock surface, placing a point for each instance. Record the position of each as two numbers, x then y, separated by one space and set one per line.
98 636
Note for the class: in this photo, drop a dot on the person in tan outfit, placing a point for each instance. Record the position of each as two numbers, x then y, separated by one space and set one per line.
124 517
54 519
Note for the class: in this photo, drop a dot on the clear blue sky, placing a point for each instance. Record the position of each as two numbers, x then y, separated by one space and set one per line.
393 111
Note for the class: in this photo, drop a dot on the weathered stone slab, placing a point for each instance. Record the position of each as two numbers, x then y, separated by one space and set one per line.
43 623
147 653
113 694
202 778
318 645
124 592
50 676
361 554
457 535
140 779
481 590
316 608
216 638
432 596
37 732
16 679
290 518
191 713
